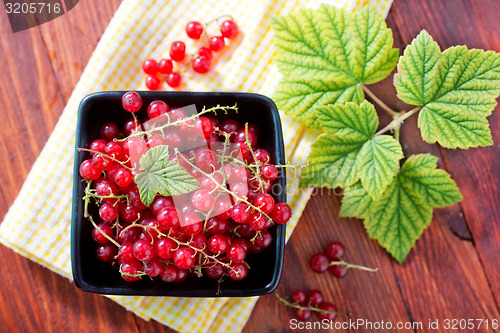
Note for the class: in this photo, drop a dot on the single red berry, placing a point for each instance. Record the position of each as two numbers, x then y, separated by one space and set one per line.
169 273
194 29
130 126
258 221
89 171
177 51
153 82
229 29
108 212
264 239
203 127
230 126
98 145
182 274
106 252
206 159
202 200
269 172
184 257
314 297
193 225
236 252
165 66
129 214
281 213
110 131
217 43
150 67
241 136
327 307
215 271
126 252
237 271
167 218
216 225
339 271
161 202
319 263
165 248
155 141
201 65
335 250
199 241
157 108
101 230
265 202
115 150
205 52
174 80
123 177
131 271
240 213
302 314
131 101
222 207
153 268
129 235
143 250
218 244
298 296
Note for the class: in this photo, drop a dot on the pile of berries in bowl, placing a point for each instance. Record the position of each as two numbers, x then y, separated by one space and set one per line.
178 194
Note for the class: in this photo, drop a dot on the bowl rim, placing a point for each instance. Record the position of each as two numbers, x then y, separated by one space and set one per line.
76 265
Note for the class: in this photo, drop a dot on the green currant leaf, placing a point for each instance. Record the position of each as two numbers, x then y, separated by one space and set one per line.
325 56
379 161
178 180
161 176
456 88
400 216
347 151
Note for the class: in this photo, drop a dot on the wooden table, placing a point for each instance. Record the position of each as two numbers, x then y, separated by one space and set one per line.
453 272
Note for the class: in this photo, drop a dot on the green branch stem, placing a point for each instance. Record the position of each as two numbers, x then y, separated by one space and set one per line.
342 262
107 156
398 120
377 100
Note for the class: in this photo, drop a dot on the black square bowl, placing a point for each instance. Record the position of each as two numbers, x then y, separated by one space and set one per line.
91 275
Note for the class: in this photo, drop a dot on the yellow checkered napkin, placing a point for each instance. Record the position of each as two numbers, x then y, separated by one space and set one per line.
39 228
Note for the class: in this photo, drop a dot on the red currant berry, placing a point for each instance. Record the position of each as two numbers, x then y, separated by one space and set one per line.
217 43
169 273
237 271
246 231
281 213
222 207
174 80
201 65
153 268
177 51
209 185
135 199
258 221
123 177
150 67
339 271
203 127
165 248
167 218
236 252
115 150
302 314
202 200
254 128
154 141
199 241
89 171
215 271
110 131
143 250
265 202
98 145
126 252
130 126
241 136
327 307
153 82
165 66
216 226
298 296
314 297
205 52
335 250
129 235
193 225
264 239
157 108
206 159
131 101
229 29
161 202
106 252
101 230
129 214
182 274
131 271
108 212
319 263
218 244
184 257
240 213
194 29
269 172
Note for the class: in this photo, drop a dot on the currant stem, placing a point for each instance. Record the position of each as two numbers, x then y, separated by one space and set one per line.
377 100
105 155
309 307
342 262
398 120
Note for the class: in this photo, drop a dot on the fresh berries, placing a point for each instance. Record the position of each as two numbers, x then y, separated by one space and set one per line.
200 60
305 304
131 102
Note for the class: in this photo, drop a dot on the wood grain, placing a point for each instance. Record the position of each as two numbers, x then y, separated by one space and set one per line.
452 272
